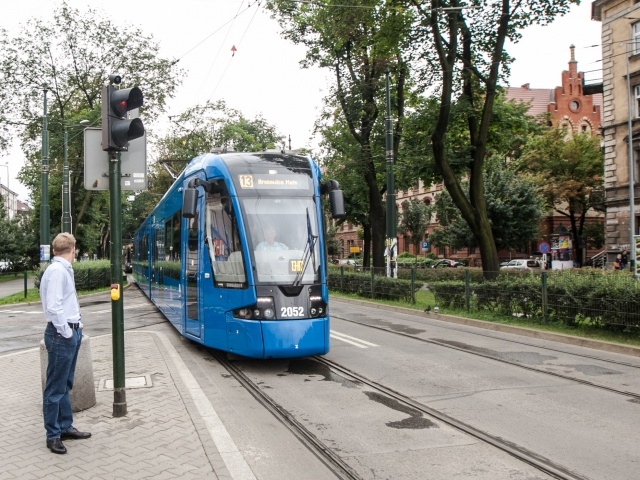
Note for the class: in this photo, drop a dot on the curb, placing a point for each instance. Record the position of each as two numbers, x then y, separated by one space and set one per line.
498 327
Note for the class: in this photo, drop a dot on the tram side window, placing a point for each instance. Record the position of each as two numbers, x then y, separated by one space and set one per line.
192 250
172 246
223 241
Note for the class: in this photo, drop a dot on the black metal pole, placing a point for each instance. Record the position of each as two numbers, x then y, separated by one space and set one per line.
45 235
117 310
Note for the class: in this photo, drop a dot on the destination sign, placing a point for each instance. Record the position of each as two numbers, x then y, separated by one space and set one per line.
273 182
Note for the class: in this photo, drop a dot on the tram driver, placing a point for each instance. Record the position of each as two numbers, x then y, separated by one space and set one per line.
269 243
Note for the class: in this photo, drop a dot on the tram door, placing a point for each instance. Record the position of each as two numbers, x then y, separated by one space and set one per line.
192 256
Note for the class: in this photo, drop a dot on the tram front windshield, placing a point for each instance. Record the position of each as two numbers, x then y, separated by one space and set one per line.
283 239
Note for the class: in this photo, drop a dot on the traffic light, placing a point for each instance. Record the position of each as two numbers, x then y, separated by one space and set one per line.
117 129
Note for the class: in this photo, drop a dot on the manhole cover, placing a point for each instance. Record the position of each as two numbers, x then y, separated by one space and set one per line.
129 382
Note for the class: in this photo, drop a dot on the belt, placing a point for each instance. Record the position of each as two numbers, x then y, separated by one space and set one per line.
75 326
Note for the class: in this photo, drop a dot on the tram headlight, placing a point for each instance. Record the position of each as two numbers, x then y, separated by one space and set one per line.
242 313
264 308
317 307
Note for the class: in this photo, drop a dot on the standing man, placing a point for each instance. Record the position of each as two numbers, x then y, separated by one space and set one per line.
62 339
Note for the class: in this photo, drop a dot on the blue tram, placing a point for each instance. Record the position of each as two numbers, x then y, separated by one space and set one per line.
234 254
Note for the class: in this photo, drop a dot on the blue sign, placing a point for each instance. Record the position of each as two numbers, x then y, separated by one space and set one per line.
544 247
425 245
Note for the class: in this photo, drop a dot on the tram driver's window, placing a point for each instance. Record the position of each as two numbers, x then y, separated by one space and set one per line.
223 241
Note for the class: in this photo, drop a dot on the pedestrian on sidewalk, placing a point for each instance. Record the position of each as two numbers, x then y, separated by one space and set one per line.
62 339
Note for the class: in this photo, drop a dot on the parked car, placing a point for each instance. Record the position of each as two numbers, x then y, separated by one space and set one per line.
446 263
348 262
524 264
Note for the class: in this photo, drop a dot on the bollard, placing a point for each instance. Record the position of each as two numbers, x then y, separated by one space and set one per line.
83 393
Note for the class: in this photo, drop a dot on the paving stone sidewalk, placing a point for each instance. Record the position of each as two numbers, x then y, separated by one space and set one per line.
161 437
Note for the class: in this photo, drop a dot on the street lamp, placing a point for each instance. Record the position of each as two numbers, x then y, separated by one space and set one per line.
632 197
66 194
392 241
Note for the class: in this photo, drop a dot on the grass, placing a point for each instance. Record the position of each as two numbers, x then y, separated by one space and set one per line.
426 298
8 277
34 296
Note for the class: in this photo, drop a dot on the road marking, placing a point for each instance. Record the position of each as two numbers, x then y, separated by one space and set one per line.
128 307
231 456
21 312
351 340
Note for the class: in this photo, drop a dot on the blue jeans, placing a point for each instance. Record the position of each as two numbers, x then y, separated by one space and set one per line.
56 399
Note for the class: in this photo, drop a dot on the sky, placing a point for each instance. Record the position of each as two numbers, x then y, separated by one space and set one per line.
263 76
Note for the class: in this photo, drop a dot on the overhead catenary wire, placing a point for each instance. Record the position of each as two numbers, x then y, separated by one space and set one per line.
233 56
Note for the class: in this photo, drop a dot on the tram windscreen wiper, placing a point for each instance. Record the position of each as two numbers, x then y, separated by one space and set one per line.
308 253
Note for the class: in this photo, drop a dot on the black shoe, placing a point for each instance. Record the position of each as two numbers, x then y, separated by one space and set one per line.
56 446
74 434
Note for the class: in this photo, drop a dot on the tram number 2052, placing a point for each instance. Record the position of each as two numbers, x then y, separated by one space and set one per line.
288 312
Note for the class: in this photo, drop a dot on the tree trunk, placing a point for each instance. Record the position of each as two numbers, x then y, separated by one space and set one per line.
366 254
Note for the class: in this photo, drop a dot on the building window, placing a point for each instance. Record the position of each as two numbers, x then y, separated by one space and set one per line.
574 105
636 96
636 38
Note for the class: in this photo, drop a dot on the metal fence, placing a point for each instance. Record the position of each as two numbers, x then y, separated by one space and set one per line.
576 296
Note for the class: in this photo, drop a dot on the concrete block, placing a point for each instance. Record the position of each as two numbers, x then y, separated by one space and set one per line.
83 393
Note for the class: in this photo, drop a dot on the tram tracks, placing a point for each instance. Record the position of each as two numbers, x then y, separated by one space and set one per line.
322 451
460 347
341 468
544 465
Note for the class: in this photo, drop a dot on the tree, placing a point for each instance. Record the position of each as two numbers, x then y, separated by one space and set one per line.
202 128
17 245
340 161
74 53
571 175
514 208
358 42
414 220
466 41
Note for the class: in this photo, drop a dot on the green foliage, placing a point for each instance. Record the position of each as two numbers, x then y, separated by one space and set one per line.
360 284
513 205
467 45
569 169
17 242
570 173
201 128
74 52
357 45
89 275
594 297
414 220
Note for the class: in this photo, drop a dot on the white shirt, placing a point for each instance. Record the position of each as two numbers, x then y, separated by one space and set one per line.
58 295
271 246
